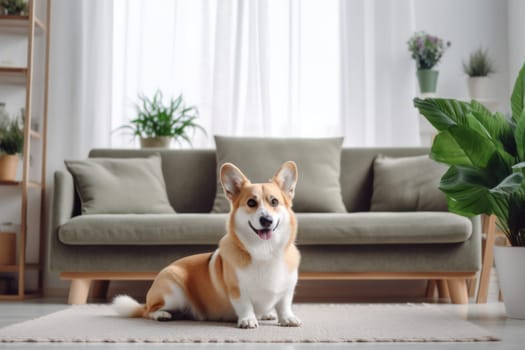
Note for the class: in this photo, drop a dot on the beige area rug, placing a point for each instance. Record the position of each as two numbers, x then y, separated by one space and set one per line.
322 323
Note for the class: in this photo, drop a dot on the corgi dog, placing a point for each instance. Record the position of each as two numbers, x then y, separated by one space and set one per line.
252 274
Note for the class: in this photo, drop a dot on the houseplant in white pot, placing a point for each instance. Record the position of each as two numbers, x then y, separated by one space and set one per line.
427 50
486 155
478 69
158 123
11 145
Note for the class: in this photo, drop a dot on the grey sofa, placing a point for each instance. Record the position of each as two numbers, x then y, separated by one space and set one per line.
358 244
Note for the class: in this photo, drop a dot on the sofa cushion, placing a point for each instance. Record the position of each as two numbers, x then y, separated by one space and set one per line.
318 162
383 228
117 186
407 184
143 229
314 229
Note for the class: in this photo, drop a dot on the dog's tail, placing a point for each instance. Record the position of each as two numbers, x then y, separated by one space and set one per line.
126 306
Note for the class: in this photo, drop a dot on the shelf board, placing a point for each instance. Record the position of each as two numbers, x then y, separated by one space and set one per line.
10 183
13 75
8 268
14 24
40 25
35 134
34 184
31 184
19 297
14 268
10 24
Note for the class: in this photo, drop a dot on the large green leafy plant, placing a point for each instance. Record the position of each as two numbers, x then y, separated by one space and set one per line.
157 119
486 154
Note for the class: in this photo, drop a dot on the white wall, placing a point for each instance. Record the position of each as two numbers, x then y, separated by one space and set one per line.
516 44
467 24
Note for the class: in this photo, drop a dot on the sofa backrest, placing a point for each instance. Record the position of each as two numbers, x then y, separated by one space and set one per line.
190 175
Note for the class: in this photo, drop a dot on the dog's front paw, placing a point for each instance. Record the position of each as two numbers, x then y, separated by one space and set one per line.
290 321
247 322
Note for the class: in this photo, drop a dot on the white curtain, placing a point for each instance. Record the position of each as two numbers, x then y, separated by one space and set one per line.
271 67
79 79
377 73
79 101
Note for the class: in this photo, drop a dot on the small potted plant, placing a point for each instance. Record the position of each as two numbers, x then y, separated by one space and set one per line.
157 123
486 155
11 145
13 7
427 50
478 68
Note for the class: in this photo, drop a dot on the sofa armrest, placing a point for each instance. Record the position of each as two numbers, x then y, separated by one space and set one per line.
63 207
63 199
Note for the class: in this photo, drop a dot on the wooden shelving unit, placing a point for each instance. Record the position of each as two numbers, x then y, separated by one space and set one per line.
35 29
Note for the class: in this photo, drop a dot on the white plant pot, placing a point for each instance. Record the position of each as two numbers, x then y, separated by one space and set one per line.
479 87
510 264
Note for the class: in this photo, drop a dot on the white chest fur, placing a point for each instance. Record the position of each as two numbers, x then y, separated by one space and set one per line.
264 283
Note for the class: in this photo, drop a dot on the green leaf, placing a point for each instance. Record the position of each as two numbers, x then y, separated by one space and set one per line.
446 150
520 165
495 124
519 135
511 183
517 99
442 113
498 131
460 145
467 190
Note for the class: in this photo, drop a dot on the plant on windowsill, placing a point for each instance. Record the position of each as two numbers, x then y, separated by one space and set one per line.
157 124
11 145
478 68
427 51
486 155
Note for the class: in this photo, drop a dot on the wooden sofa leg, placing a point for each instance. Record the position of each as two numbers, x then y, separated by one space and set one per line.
78 291
443 290
458 291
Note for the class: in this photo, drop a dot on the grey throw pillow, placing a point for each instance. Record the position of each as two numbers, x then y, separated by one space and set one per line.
318 161
120 185
407 184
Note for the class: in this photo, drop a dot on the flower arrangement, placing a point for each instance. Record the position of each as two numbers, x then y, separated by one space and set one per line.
426 49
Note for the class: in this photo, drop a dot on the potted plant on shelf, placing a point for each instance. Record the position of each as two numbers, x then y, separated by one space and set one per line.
13 7
427 50
157 124
486 155
478 68
11 145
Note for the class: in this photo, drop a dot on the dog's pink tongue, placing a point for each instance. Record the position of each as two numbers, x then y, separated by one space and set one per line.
265 234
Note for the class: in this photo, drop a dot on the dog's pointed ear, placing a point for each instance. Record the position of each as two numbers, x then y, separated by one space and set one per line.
286 178
232 180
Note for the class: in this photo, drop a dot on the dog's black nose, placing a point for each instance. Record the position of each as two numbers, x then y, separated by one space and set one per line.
266 221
